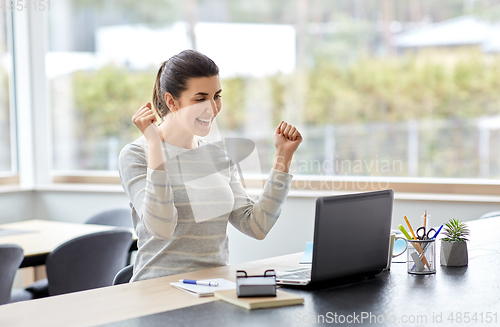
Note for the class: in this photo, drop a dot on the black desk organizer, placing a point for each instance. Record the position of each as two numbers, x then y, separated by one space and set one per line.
257 285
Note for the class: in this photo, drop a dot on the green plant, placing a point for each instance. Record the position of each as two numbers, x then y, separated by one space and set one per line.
455 231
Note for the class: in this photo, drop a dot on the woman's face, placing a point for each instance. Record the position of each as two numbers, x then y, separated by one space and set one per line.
199 104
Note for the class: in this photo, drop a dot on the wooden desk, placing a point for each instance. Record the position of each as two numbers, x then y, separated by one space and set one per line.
474 289
114 303
43 236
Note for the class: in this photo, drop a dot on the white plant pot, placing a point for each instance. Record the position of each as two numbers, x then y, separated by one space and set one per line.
454 254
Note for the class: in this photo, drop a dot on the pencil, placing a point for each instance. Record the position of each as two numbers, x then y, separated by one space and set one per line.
425 219
411 229
417 244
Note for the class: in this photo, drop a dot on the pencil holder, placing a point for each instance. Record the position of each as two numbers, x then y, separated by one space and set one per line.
421 257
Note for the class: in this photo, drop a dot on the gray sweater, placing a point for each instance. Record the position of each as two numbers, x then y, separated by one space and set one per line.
180 214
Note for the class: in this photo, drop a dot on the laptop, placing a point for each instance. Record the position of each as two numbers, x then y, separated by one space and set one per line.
351 238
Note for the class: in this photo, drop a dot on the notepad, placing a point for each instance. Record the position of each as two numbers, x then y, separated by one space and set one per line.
282 299
202 291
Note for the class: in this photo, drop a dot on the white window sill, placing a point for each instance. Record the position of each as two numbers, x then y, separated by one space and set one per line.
253 192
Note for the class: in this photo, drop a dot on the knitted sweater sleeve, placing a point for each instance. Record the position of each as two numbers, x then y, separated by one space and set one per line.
255 218
148 190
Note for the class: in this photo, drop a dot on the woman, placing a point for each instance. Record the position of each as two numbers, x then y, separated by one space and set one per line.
183 190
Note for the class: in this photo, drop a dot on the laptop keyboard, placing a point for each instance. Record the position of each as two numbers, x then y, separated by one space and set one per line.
304 273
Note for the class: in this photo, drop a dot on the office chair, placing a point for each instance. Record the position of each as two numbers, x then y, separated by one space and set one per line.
11 256
85 262
124 275
492 214
119 217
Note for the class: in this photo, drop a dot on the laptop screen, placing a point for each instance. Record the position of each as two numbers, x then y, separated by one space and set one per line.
351 234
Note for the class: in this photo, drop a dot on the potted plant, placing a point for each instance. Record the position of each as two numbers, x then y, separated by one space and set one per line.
454 244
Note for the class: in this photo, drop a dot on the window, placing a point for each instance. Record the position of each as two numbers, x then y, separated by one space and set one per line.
378 88
8 165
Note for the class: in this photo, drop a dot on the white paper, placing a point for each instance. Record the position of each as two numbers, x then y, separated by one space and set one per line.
200 290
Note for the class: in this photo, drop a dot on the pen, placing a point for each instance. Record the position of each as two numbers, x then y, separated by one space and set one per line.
435 235
198 282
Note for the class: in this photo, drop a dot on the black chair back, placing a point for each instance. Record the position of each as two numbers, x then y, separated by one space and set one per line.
124 275
120 217
88 261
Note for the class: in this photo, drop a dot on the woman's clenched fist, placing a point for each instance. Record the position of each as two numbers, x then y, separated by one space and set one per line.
287 138
145 120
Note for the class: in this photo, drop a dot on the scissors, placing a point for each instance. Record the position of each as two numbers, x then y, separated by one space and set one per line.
425 235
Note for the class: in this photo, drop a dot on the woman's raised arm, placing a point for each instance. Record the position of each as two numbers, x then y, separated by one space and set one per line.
255 218
145 178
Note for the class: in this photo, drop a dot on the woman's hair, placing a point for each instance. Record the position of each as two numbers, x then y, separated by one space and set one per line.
174 73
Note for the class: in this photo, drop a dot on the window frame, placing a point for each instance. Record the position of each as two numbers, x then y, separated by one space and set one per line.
31 108
10 177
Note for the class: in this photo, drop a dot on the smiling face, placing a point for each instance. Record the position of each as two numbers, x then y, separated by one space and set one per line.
197 106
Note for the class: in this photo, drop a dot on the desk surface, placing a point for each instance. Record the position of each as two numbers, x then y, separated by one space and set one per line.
43 236
393 295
